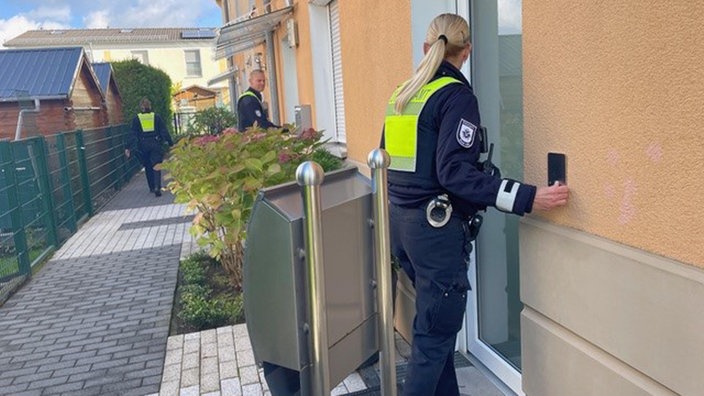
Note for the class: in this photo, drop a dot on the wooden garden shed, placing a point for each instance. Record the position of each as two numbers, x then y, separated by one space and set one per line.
47 90
113 100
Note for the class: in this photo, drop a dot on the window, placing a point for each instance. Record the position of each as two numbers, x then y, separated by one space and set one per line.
335 42
329 99
193 68
141 56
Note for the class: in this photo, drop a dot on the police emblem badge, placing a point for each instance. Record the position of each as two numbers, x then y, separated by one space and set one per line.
258 113
465 133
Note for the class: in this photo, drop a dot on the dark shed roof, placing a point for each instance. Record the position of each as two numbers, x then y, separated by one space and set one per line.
102 71
39 72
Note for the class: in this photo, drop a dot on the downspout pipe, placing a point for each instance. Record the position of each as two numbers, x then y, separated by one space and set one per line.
231 84
273 86
20 118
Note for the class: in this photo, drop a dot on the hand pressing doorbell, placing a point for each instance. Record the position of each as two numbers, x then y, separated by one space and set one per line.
557 168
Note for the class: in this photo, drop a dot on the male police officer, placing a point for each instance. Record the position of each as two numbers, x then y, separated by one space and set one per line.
250 108
148 134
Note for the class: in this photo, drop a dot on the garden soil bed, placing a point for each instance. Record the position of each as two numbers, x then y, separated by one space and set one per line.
218 281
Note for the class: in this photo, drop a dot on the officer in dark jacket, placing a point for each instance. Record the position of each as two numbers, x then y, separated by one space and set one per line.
148 135
436 185
250 105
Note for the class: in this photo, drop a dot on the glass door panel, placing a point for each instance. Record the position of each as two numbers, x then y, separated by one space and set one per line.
493 323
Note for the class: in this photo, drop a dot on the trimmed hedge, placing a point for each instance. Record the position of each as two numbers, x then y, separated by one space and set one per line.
136 81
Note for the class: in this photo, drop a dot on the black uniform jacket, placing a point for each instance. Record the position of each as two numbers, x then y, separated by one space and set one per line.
249 110
160 133
448 155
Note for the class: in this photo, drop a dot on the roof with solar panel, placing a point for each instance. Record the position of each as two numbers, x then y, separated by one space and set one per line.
63 37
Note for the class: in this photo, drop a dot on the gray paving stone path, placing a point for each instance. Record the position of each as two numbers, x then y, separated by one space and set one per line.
95 319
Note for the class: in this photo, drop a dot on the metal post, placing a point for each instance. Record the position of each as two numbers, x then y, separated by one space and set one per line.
379 160
310 176
46 189
115 155
66 182
83 167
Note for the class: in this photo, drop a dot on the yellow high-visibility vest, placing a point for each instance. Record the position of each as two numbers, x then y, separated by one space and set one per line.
146 120
249 93
401 130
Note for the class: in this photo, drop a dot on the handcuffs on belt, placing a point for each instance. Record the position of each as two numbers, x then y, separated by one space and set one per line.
438 213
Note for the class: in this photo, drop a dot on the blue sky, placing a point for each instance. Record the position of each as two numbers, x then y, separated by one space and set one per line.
18 16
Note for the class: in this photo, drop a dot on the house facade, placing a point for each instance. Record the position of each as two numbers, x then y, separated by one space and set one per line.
184 54
602 297
47 90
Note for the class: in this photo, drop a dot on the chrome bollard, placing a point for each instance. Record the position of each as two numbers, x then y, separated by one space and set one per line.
309 175
379 161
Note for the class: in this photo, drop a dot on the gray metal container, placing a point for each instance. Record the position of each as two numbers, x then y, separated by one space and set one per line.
275 292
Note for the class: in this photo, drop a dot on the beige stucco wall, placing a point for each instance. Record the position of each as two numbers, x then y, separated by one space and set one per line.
618 87
376 57
304 64
304 58
601 318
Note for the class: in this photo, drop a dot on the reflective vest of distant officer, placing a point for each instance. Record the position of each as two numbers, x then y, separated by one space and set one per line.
250 108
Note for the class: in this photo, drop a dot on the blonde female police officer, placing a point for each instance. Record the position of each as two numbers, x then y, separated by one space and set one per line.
430 132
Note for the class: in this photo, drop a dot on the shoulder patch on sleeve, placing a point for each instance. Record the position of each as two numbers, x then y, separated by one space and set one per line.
258 113
465 133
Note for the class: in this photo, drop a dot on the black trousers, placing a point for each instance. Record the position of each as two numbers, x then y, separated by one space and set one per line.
436 261
150 154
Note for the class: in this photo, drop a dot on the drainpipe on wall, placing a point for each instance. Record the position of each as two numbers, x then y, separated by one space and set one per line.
20 117
231 84
273 86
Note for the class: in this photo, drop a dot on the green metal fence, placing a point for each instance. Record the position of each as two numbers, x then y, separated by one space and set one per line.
49 185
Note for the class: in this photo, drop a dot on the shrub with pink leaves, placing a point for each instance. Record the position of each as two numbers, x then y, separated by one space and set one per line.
219 177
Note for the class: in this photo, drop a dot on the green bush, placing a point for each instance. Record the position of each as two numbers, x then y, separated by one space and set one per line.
220 176
326 160
199 309
212 121
192 272
202 312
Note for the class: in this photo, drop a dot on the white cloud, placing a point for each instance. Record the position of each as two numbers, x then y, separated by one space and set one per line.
60 14
149 13
18 24
43 17
97 20
15 26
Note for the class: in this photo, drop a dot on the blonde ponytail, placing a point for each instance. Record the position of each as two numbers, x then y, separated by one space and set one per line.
447 36
426 70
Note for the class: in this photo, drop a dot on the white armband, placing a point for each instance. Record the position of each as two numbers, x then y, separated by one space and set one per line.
507 195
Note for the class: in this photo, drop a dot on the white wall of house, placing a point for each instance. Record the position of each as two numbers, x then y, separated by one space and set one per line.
171 58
